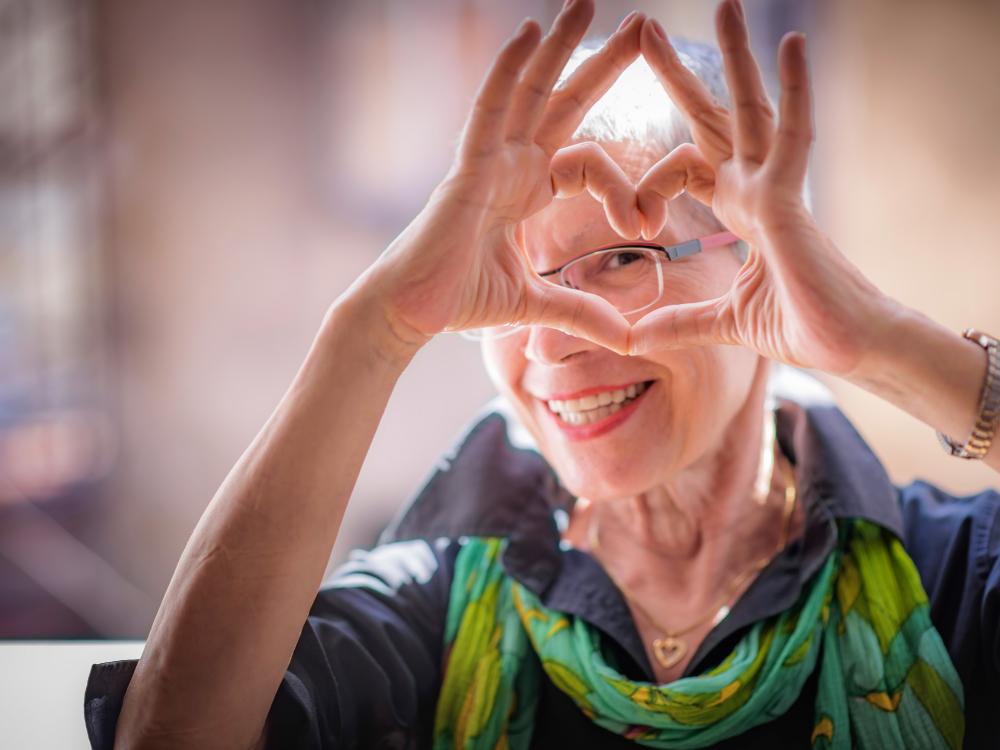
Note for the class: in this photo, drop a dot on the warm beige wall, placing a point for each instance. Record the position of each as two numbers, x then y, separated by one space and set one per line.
910 164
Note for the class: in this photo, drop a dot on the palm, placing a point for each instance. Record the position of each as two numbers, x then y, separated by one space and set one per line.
769 312
784 315
493 276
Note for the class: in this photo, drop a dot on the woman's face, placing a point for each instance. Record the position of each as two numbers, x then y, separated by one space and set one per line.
684 398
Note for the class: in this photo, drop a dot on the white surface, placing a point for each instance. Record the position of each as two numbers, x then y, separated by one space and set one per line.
41 690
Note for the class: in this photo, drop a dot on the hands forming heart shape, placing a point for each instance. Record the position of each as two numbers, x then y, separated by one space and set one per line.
460 263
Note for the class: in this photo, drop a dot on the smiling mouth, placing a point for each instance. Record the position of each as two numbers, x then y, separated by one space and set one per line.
596 406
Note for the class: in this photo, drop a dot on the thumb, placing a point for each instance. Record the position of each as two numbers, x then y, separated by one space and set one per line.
577 314
689 324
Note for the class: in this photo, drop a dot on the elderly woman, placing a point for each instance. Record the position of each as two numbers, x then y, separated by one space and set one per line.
646 543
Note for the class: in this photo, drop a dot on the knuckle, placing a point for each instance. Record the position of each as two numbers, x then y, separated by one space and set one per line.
568 99
506 69
487 110
534 89
686 152
576 314
756 102
563 43
797 134
709 111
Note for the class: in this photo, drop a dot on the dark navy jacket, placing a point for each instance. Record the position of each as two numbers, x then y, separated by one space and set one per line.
367 667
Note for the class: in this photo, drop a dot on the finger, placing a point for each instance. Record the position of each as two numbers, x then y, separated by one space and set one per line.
570 103
790 156
752 114
587 166
484 130
543 70
577 314
684 168
702 323
708 120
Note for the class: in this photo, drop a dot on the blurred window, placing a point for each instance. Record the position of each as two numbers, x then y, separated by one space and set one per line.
54 429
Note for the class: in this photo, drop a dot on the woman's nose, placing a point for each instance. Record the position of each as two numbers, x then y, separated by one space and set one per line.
550 346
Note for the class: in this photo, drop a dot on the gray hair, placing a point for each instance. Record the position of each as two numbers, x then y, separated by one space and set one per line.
637 110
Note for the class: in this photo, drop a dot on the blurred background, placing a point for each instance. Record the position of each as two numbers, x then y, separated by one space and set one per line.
186 186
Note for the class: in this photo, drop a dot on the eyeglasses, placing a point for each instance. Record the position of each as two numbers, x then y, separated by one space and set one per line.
629 276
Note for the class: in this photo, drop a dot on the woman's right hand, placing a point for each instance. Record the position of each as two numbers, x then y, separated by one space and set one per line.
462 263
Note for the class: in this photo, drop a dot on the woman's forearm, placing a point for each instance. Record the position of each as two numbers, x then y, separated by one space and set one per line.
235 606
929 371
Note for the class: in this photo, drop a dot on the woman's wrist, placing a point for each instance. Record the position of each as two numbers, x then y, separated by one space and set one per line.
926 369
362 313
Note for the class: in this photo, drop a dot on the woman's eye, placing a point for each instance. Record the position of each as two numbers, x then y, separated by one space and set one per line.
618 260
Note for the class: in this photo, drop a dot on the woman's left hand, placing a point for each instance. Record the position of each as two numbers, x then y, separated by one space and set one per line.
796 299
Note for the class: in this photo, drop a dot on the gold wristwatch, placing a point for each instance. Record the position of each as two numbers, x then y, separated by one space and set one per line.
978 444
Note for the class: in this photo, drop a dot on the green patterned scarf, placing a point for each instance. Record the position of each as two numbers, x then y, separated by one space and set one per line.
885 677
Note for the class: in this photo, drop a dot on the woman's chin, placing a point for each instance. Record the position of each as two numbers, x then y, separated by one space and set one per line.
613 466
599 483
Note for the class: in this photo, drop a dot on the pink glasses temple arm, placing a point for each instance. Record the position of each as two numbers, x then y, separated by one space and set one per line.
720 239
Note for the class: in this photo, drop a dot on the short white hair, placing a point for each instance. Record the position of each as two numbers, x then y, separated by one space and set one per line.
636 109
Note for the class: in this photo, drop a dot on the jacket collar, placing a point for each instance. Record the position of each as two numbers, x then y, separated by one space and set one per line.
495 483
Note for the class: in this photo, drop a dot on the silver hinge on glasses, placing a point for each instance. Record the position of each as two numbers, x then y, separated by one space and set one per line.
685 248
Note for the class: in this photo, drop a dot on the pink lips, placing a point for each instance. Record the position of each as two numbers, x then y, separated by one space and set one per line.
576 432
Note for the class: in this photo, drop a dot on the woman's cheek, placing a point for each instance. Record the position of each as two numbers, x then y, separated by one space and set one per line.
504 363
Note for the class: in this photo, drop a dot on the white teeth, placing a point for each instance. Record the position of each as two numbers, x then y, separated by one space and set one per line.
595 407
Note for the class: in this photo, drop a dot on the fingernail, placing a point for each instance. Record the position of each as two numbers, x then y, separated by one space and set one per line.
659 29
625 20
738 7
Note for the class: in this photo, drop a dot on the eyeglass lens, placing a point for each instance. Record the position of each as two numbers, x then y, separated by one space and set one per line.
630 278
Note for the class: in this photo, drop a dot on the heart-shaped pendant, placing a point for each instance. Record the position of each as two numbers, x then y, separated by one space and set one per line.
669 650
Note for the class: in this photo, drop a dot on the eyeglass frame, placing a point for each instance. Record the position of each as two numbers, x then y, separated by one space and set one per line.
670 252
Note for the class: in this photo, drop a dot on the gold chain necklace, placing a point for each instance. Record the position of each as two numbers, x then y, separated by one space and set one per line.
671 648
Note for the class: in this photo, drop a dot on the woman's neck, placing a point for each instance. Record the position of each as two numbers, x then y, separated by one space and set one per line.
702 527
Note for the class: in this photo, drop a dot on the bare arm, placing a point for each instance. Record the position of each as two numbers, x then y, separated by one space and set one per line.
235 606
